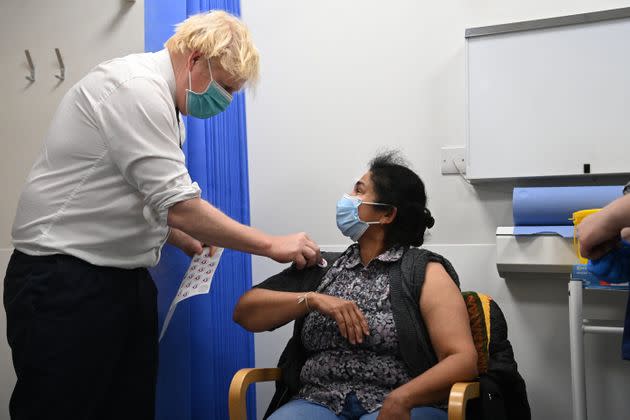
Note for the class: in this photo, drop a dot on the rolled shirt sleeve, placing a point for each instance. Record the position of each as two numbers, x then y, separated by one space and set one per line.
141 131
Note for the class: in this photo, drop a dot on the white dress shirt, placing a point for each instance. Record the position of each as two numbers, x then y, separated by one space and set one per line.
110 168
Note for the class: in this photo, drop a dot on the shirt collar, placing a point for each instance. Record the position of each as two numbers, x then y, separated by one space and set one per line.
353 255
165 67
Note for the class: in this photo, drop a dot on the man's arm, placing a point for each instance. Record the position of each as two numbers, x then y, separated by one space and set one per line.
149 158
197 218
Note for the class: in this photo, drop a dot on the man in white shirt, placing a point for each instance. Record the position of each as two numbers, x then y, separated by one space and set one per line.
109 188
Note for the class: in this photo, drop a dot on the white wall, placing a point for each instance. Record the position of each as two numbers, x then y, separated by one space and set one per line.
87 33
341 79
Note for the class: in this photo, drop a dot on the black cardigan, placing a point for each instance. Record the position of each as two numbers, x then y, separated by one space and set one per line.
406 280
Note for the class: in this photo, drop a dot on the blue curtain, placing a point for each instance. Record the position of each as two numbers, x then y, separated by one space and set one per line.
203 348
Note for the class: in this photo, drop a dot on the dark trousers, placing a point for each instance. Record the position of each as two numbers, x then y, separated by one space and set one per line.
83 339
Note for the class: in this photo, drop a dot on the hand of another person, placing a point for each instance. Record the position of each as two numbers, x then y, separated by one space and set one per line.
394 408
297 248
597 236
349 318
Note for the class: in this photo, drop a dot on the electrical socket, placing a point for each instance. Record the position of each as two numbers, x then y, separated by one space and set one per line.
451 156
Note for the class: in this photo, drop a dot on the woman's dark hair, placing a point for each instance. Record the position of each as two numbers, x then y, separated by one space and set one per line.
397 185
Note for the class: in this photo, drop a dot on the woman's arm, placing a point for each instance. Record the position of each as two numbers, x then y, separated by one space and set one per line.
444 312
261 310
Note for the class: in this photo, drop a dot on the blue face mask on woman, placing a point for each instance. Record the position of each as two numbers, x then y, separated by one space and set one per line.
210 102
348 220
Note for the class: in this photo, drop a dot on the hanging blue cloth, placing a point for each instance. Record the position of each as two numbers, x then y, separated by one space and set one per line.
203 347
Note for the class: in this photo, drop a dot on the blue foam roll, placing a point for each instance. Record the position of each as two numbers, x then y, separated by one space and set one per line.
564 231
554 206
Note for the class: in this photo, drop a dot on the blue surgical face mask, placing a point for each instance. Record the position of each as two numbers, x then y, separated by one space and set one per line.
208 103
348 220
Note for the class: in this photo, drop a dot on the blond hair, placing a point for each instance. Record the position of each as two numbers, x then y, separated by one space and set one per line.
218 34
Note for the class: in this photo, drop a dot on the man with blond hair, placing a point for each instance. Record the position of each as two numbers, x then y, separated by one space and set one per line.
108 190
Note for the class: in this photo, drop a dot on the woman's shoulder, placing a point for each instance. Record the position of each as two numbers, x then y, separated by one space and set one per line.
331 257
292 279
422 256
415 262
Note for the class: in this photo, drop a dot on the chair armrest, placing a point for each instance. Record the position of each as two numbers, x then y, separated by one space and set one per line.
461 393
238 388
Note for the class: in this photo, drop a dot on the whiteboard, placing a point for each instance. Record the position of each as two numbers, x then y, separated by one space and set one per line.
546 101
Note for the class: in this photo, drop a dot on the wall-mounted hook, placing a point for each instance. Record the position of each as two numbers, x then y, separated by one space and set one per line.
62 68
31 66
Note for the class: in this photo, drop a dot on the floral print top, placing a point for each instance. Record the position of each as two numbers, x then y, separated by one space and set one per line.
334 367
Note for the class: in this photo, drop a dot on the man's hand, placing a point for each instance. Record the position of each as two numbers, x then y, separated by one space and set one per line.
185 242
597 235
349 318
297 248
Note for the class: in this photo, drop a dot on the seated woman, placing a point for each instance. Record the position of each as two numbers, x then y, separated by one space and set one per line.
383 331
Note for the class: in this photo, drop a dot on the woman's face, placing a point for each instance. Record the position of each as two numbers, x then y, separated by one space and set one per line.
364 189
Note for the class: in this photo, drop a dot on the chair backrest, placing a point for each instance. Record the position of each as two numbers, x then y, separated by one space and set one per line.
478 306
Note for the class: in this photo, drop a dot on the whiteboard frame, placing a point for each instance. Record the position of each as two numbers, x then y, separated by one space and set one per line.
577 19
554 22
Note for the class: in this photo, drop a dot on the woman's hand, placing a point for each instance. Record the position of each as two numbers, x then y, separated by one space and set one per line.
394 407
349 318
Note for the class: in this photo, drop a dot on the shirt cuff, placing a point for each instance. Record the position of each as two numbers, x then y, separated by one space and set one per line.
158 215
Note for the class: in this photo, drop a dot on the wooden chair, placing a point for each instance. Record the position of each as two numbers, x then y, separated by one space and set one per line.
478 306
